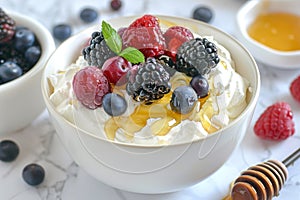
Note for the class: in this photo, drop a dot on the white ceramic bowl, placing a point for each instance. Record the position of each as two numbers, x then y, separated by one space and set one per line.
263 53
152 169
21 100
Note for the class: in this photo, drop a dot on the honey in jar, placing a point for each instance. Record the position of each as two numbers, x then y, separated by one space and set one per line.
277 30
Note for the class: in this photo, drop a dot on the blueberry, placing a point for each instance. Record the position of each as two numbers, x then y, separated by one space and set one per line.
114 104
24 38
9 71
183 99
116 4
203 13
32 54
88 15
62 31
9 150
33 174
200 85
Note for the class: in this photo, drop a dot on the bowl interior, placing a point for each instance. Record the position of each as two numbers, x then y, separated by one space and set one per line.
68 52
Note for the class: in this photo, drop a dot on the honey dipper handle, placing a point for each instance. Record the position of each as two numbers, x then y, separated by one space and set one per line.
291 158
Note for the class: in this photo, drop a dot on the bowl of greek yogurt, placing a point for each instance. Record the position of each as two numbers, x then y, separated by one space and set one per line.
167 123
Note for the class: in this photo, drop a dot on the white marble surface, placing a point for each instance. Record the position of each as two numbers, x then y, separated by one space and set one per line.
65 180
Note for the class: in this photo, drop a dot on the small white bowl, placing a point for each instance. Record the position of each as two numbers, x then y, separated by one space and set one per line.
21 99
152 169
264 54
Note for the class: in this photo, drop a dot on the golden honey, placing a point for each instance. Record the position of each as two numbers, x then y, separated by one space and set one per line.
277 30
167 119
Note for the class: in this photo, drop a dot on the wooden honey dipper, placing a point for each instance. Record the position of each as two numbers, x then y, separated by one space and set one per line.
262 181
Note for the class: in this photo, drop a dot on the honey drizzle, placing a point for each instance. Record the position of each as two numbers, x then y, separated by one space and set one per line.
167 119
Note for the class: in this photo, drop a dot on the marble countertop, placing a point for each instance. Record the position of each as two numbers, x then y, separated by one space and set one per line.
65 180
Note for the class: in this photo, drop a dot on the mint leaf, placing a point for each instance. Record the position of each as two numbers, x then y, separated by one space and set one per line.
111 37
133 55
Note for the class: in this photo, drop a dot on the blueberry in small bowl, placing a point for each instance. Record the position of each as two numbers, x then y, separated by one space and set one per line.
25 46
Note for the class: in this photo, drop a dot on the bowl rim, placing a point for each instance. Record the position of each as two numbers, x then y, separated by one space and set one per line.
251 104
242 12
46 42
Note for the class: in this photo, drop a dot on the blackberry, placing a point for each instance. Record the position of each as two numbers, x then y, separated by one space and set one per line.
168 64
7 27
98 51
197 56
148 81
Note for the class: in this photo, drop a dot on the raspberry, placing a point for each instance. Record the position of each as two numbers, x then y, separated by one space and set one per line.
295 88
145 21
7 27
90 86
175 36
276 122
145 35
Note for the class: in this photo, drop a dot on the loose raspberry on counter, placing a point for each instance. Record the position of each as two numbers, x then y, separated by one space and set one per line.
145 35
90 85
7 27
295 88
276 122
175 36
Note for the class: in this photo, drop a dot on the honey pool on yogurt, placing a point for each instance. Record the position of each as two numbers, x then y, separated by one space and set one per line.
277 30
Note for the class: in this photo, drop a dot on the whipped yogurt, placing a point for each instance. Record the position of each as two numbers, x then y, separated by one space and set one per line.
226 101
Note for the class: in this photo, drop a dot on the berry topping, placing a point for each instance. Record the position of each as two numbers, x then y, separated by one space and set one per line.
145 21
168 64
175 36
295 89
33 174
88 15
114 104
24 38
145 35
115 69
121 31
98 51
7 27
148 81
90 85
200 85
203 13
115 4
9 71
183 99
197 56
276 122
9 150
62 31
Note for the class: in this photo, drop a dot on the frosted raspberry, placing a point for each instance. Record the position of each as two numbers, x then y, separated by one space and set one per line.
175 36
90 85
276 122
145 35
295 88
